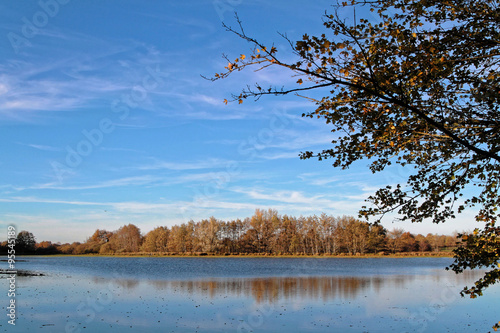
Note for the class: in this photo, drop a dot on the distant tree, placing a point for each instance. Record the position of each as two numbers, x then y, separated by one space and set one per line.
108 248
377 238
451 241
394 240
286 236
156 240
354 234
83 248
408 242
181 238
3 247
46 247
328 230
127 239
262 223
207 234
67 248
423 243
25 242
436 241
249 241
94 243
101 236
233 232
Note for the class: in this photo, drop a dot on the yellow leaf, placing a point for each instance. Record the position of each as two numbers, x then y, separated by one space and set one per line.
242 57
299 81
240 101
225 101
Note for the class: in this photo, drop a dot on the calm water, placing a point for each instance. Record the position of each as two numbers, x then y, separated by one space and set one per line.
247 295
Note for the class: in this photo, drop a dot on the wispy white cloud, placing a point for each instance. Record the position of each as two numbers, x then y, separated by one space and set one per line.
279 155
51 201
321 180
121 182
189 105
67 82
179 208
207 99
42 147
195 165
4 88
295 197
227 142
300 202
121 150
145 207
297 139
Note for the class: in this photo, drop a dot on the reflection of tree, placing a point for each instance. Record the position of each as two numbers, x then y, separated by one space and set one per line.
127 284
272 289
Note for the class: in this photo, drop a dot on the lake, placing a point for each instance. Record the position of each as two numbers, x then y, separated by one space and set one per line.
106 294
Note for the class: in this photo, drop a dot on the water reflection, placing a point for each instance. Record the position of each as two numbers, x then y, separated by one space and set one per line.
378 296
273 289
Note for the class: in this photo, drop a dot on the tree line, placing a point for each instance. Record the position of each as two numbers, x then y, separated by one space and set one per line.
266 232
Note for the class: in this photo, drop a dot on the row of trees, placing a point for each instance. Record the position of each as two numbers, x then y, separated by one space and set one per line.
266 232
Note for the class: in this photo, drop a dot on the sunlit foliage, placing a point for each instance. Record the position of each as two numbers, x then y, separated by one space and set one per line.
414 83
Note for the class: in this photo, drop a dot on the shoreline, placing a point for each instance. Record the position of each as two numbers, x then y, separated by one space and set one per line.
208 255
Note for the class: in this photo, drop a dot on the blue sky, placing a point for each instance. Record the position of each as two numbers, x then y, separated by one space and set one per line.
105 120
